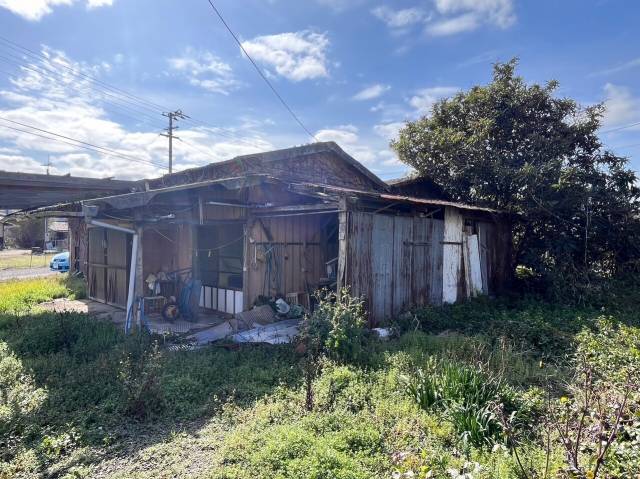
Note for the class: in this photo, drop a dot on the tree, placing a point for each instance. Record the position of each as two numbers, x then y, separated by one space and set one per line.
520 148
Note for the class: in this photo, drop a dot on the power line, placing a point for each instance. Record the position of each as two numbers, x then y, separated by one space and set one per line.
144 103
132 109
82 144
32 53
624 127
620 147
262 75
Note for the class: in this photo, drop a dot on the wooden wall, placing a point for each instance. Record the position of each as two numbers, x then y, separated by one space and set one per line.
78 243
166 248
300 254
393 261
397 262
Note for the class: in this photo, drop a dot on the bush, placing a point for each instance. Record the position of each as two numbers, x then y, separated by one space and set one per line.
336 328
139 372
20 399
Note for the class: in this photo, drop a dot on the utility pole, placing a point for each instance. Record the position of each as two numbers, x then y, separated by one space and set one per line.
173 116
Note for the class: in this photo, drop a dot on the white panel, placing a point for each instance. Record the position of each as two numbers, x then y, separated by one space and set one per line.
221 299
201 302
214 298
452 254
207 297
238 298
472 265
229 303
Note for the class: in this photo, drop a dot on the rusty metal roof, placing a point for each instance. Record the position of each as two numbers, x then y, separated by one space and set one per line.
400 198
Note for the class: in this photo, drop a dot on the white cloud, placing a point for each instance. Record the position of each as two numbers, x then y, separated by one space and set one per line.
399 19
621 106
343 134
27 165
619 68
371 92
451 26
99 3
296 56
205 70
34 10
388 131
340 5
448 17
494 12
71 106
424 99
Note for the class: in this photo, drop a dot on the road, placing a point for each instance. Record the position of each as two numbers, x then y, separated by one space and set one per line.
24 273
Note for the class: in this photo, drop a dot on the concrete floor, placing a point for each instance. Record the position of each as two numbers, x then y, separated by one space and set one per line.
155 322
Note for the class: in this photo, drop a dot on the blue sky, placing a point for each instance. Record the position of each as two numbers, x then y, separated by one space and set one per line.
352 70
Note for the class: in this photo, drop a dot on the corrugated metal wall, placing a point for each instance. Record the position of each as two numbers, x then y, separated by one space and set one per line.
396 262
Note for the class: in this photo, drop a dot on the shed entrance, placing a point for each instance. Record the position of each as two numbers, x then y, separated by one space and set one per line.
218 260
109 260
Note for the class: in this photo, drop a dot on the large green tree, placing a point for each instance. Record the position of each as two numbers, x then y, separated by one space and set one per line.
521 148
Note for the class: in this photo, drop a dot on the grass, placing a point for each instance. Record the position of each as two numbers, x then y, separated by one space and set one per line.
25 260
90 402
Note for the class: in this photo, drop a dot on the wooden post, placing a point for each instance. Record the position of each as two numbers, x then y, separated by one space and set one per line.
343 246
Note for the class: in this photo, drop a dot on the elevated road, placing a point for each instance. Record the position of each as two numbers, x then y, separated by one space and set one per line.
28 190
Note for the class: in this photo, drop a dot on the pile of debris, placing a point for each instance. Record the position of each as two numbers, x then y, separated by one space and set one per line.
260 325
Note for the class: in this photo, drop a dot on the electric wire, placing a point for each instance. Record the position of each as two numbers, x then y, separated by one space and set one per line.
78 143
148 105
262 75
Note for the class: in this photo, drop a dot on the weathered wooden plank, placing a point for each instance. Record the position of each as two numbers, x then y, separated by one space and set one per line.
436 255
382 266
483 246
452 254
473 274
421 260
402 264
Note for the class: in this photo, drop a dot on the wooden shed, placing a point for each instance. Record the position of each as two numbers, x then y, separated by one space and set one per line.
285 223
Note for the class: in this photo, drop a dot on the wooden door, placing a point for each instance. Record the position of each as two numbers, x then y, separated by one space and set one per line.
109 259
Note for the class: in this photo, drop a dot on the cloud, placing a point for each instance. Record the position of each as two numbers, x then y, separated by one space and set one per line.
34 10
371 92
388 131
99 3
424 99
348 138
618 68
340 5
472 13
621 106
449 17
399 19
73 106
296 56
27 165
451 26
205 70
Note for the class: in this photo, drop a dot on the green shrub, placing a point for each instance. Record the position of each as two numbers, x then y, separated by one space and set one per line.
472 400
139 372
20 400
336 328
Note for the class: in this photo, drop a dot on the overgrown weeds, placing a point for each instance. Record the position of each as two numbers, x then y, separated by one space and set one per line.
478 406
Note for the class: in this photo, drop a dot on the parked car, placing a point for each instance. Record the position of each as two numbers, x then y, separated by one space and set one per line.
60 262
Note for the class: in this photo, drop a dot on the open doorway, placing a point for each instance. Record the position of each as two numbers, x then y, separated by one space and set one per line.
218 259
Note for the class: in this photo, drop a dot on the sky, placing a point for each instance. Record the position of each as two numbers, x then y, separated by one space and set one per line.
102 72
